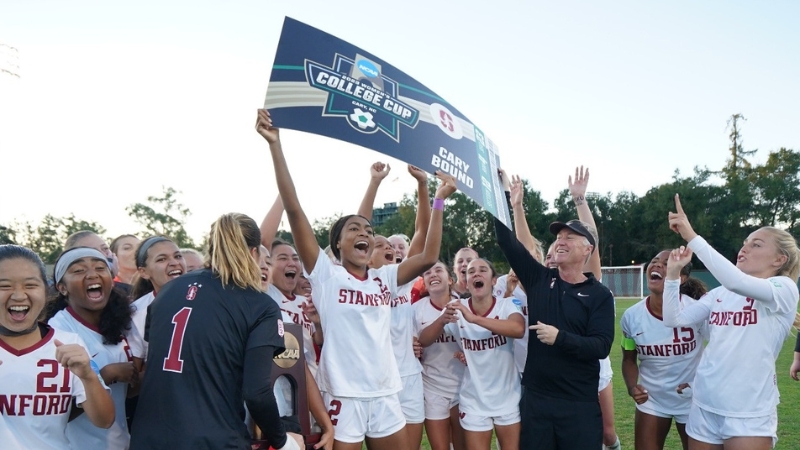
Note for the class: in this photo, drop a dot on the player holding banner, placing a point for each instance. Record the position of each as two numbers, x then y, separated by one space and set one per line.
734 404
359 382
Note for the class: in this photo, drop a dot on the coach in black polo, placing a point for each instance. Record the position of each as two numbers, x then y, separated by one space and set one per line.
571 316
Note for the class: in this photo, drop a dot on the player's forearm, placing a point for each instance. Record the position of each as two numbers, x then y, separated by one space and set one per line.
98 407
429 334
630 372
510 327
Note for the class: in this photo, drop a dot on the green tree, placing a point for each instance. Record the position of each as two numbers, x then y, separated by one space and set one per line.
163 216
7 235
776 189
48 237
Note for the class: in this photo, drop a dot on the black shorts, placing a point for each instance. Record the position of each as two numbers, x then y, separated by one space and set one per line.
555 423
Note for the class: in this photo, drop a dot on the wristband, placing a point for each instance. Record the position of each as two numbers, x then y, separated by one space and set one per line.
438 203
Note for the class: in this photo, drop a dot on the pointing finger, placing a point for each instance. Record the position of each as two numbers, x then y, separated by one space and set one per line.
678 207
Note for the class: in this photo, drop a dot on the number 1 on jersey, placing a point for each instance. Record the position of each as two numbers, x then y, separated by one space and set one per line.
173 361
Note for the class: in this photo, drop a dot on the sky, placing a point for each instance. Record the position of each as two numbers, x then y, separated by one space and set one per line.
115 100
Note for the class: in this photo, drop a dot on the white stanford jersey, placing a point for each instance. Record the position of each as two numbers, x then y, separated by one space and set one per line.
135 335
357 359
491 384
403 331
520 345
36 394
441 371
80 432
667 356
291 312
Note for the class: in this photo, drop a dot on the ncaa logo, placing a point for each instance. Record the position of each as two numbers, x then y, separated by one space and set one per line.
191 293
368 68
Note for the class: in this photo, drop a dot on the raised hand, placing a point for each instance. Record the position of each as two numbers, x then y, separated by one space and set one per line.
448 186
678 259
418 174
504 179
577 188
379 171
517 191
265 128
75 358
679 223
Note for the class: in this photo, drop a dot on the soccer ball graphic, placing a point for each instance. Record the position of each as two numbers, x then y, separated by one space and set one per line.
362 118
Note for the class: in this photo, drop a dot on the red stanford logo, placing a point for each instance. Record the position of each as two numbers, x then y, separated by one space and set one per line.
191 293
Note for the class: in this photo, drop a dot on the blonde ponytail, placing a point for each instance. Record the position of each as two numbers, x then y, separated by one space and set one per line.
232 236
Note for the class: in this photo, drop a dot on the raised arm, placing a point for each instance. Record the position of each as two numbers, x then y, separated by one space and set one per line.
414 266
675 312
304 239
528 270
577 190
423 211
377 172
269 226
99 406
774 295
521 229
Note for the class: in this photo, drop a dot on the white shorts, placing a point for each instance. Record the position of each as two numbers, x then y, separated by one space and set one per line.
411 398
605 373
647 408
712 428
355 418
472 422
437 407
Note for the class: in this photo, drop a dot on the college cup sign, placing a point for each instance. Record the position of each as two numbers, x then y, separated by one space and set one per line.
323 85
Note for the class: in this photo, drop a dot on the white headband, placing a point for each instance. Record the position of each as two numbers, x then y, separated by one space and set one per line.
72 255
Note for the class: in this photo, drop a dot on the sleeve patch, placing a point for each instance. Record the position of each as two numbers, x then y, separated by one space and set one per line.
280 327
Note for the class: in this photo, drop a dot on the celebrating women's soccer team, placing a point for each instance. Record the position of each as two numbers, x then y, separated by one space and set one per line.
144 345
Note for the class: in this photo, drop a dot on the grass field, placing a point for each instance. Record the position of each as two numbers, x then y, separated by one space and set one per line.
624 407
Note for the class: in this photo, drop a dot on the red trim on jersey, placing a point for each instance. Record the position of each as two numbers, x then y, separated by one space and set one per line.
47 337
435 306
82 321
494 302
647 304
364 278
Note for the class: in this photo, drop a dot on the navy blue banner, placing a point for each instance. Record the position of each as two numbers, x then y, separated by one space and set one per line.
323 85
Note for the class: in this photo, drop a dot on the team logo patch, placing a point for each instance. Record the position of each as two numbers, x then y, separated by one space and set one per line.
518 303
191 294
280 328
365 97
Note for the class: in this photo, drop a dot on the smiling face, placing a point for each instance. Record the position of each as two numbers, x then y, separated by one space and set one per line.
87 284
265 266
400 248
303 286
657 271
126 253
164 263
760 256
480 279
461 262
286 268
548 260
437 279
355 243
570 248
382 254
23 293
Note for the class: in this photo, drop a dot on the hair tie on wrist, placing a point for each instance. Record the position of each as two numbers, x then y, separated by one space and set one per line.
438 203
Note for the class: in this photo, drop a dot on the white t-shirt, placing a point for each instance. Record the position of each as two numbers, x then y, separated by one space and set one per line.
82 434
36 394
357 359
748 321
667 356
135 335
491 383
520 345
293 313
441 371
403 331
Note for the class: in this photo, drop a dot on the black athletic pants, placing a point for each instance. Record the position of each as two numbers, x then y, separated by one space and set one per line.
553 423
